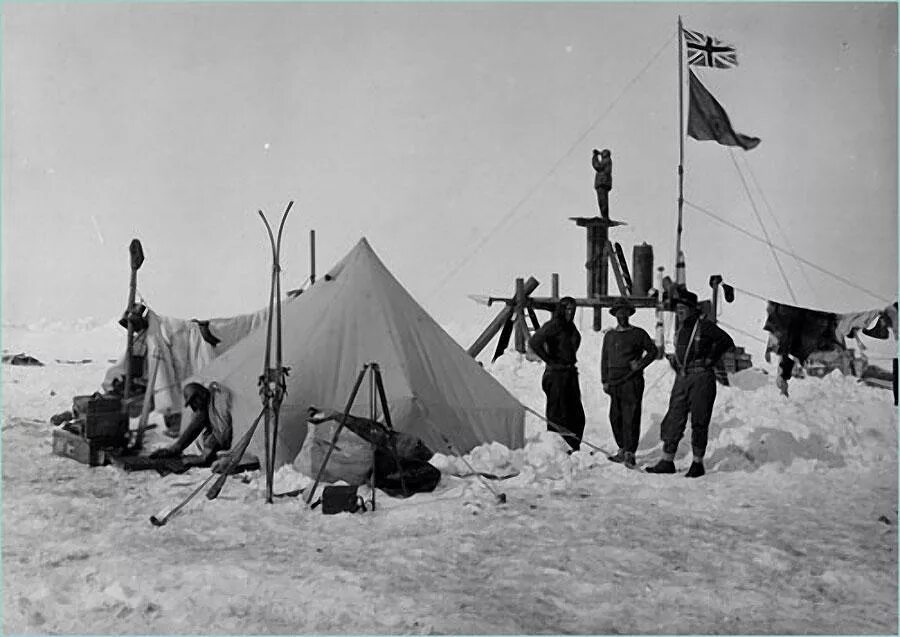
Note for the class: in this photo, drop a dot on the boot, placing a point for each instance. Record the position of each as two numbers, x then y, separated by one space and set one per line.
663 466
618 457
629 460
696 470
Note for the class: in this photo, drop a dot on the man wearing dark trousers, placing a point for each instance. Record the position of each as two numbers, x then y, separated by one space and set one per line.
627 350
556 343
601 160
699 344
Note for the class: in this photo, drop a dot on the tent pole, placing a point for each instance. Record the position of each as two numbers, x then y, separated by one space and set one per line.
373 412
312 256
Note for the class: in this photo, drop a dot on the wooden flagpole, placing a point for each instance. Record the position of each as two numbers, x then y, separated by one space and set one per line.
679 261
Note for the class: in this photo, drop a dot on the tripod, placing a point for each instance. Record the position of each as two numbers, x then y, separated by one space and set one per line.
376 430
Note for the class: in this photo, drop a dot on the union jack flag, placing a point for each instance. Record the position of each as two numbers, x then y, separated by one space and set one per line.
705 50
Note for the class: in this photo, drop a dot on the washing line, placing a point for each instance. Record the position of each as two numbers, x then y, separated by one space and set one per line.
530 192
744 332
838 277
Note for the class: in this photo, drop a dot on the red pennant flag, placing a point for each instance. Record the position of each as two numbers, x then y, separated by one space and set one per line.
707 120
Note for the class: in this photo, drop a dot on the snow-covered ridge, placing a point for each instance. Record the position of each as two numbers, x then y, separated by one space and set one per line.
89 337
83 324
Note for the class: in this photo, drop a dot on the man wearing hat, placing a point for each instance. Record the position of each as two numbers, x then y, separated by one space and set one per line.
602 163
212 429
699 344
627 350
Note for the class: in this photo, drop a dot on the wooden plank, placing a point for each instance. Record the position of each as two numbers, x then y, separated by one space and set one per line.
587 222
535 323
548 303
610 253
495 326
499 321
520 329
623 264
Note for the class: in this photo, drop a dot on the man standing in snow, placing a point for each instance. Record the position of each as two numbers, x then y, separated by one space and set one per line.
699 344
556 343
627 350
602 163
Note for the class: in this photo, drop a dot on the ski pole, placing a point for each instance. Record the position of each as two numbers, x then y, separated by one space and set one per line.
149 397
236 454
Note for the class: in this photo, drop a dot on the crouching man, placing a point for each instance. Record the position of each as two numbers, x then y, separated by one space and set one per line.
209 426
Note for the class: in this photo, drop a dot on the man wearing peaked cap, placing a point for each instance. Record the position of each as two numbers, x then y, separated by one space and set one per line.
684 297
626 351
699 344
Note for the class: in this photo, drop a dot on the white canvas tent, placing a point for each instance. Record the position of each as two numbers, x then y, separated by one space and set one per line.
357 314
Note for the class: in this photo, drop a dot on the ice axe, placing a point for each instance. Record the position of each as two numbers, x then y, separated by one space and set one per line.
163 516
500 497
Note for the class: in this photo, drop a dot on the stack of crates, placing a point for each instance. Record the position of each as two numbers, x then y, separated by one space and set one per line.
736 360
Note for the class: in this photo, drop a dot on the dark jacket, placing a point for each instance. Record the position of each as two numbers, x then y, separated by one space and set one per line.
620 348
710 343
556 341
603 178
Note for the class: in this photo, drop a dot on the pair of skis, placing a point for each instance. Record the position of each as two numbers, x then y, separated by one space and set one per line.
272 383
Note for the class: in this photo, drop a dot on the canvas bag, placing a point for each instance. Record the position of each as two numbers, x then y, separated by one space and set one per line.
351 460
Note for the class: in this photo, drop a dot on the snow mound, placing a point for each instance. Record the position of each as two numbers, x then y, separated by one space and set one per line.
827 422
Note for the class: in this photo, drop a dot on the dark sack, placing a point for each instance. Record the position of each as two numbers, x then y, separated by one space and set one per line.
337 499
409 478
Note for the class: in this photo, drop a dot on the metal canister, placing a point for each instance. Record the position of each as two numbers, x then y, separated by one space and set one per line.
642 269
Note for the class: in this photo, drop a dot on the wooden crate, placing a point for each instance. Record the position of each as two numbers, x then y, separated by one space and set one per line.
71 445
103 418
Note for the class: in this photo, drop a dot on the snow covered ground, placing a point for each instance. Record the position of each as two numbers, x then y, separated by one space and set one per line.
793 530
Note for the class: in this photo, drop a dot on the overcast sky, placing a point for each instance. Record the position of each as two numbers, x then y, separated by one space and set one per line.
456 137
